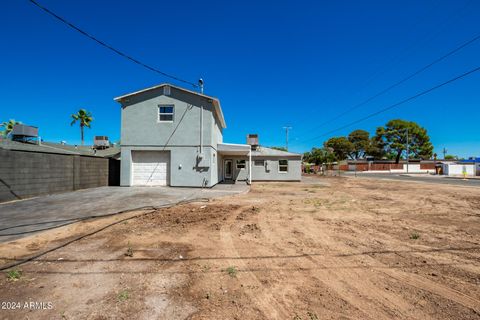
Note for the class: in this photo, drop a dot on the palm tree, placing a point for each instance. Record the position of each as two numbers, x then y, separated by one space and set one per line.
8 126
84 117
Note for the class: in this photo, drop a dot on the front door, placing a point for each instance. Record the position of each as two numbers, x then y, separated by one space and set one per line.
228 169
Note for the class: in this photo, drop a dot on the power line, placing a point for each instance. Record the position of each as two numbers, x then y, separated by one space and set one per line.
100 42
425 39
396 84
401 102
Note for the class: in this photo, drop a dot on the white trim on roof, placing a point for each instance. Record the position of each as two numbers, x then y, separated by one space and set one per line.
233 148
235 144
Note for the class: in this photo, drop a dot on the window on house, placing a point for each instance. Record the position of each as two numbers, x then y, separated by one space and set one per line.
259 163
282 165
165 113
240 164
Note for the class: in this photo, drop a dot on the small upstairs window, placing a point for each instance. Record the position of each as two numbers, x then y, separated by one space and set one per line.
165 113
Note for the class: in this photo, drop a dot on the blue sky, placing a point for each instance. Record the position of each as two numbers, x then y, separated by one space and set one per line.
271 63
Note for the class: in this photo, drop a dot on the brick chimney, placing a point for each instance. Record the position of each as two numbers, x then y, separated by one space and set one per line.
252 139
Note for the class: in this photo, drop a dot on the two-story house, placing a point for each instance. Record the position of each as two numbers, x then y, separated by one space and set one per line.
174 136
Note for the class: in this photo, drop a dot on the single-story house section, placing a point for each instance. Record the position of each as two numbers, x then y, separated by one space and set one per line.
174 136
459 169
266 164
474 161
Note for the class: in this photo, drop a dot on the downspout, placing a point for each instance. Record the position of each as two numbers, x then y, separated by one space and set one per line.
250 165
201 129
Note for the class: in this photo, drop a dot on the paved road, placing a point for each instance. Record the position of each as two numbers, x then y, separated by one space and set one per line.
54 210
419 178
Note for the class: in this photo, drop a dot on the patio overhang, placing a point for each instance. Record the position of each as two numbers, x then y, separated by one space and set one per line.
233 149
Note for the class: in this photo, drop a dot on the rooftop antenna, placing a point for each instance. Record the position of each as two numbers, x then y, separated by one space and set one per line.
200 84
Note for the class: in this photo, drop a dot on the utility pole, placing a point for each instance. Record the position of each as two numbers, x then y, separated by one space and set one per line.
286 136
444 152
408 150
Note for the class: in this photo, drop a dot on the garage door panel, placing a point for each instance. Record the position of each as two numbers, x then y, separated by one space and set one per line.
150 168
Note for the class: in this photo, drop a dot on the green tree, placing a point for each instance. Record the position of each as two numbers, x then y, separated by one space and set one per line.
341 147
319 156
450 157
279 148
393 137
376 149
8 126
84 118
360 140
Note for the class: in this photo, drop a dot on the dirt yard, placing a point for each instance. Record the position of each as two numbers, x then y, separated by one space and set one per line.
326 248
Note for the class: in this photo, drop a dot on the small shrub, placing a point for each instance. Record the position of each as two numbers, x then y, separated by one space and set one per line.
14 274
123 295
414 236
232 271
129 252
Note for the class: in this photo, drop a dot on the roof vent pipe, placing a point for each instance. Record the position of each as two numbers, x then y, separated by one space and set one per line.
200 84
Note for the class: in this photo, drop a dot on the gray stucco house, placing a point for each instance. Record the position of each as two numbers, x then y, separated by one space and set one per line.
174 136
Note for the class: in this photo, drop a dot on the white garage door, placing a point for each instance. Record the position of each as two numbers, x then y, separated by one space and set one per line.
150 168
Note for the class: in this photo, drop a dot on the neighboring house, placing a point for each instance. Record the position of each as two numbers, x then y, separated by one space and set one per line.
458 169
174 136
474 161
469 167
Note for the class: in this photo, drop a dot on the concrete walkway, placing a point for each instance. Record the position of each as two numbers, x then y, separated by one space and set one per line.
55 210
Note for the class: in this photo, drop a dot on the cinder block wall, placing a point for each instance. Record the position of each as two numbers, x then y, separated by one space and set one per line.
27 174
90 172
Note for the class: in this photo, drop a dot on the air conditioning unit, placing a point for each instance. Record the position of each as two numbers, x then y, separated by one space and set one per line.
24 133
101 142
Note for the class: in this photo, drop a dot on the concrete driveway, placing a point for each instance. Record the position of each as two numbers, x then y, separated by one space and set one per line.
19 217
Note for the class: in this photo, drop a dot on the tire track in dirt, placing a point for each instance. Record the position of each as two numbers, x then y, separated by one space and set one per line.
266 302
435 288
411 279
352 285
446 257
463 264
414 280
331 279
